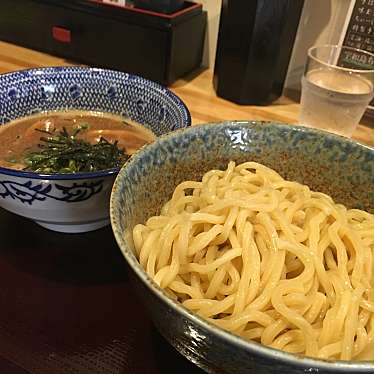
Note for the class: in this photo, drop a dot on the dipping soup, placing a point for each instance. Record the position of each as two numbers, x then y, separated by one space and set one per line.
22 137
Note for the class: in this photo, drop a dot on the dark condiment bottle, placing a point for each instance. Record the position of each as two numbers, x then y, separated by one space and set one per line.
255 42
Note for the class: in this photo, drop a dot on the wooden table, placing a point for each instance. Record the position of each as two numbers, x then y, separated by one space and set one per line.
66 305
195 90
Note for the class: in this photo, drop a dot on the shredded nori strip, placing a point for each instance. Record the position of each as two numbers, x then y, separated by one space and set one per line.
61 152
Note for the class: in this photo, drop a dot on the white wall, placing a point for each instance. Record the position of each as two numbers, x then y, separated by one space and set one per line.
322 22
213 7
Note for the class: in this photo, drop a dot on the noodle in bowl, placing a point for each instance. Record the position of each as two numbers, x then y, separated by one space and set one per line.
229 249
267 259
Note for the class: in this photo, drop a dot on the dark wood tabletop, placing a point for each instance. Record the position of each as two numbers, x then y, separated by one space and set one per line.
67 307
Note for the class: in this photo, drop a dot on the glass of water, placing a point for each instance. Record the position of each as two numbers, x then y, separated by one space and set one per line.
337 86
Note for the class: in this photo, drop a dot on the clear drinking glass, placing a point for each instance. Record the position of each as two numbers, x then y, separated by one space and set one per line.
337 87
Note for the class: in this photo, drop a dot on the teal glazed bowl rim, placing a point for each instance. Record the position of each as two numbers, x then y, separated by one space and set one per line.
306 364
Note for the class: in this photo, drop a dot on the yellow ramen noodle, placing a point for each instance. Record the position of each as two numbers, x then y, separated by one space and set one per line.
267 259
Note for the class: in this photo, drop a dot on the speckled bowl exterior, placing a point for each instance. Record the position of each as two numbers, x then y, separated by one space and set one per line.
78 202
328 163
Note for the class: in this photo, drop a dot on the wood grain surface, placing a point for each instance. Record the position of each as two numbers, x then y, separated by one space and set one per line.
68 306
196 90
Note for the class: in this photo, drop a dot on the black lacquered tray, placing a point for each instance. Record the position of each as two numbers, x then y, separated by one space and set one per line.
67 307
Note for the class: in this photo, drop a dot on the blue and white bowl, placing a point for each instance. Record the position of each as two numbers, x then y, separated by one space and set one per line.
78 202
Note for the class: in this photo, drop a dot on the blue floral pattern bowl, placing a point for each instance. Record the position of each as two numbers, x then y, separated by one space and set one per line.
78 202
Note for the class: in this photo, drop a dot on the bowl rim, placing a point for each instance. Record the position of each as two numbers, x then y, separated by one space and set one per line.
293 360
40 71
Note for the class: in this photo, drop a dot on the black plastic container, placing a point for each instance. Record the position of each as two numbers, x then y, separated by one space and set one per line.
162 6
254 46
157 46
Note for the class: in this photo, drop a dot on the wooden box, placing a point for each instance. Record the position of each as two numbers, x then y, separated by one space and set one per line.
160 47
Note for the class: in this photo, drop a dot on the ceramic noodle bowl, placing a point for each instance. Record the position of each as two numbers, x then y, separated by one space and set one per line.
325 162
77 202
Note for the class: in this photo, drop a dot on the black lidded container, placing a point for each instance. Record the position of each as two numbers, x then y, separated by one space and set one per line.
162 6
157 46
255 42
